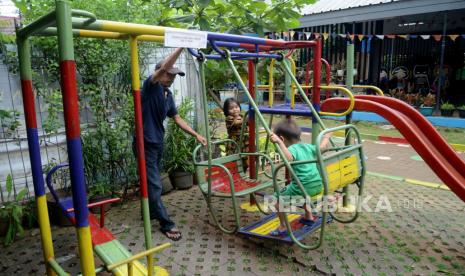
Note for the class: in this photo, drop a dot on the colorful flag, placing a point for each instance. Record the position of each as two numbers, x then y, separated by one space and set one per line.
425 37
342 35
404 36
413 36
453 37
351 36
317 35
285 35
437 37
308 34
380 36
325 35
360 37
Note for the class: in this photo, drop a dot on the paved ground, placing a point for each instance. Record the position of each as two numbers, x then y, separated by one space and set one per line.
423 235
398 160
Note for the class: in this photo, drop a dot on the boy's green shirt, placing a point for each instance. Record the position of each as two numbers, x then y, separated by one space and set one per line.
308 174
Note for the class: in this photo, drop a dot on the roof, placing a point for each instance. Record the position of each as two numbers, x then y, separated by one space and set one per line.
327 12
322 6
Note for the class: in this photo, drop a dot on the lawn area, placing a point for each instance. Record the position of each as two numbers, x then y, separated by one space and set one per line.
452 135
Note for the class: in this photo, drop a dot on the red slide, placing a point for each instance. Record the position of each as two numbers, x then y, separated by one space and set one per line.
421 134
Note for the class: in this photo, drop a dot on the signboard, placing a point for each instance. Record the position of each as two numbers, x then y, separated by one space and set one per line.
185 38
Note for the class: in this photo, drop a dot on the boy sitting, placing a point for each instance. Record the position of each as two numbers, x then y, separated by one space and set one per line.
287 136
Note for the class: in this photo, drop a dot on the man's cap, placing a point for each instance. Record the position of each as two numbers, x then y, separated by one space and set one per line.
172 70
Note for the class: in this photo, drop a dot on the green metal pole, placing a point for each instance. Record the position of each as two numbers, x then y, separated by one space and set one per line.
207 130
258 114
306 100
349 85
38 25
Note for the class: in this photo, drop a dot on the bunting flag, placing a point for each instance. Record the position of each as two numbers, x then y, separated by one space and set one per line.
308 35
437 37
285 35
453 37
292 34
406 37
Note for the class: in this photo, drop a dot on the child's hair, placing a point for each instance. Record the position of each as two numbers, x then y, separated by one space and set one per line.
227 103
289 129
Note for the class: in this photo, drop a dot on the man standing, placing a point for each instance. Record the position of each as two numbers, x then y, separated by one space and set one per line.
158 103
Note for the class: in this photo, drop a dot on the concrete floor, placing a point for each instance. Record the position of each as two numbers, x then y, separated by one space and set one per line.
423 235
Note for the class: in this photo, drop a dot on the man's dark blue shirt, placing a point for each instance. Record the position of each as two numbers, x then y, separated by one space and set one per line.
157 103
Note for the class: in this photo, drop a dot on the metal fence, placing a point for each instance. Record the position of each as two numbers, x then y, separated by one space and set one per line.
14 155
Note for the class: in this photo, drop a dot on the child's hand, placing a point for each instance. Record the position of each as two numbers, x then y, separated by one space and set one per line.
275 138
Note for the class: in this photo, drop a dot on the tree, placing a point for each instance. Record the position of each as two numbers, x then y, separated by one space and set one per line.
103 65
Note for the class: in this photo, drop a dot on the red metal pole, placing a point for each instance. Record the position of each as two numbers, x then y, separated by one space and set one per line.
316 88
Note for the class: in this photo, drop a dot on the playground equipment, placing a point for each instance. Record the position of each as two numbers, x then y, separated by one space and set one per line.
421 134
222 176
65 23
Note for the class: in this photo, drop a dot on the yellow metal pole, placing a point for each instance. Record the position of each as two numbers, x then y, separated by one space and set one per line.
292 83
271 84
372 87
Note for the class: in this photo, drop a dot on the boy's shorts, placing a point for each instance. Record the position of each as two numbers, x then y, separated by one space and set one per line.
293 190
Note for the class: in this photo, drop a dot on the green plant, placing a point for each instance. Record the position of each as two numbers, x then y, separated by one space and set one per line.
12 212
177 152
461 107
429 100
447 106
9 122
100 189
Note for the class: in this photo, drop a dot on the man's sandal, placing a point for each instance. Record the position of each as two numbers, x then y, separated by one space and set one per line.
171 234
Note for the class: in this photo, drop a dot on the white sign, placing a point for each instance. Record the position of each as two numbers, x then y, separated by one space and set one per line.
185 38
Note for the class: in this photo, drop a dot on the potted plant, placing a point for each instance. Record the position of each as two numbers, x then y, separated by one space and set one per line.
426 108
177 154
11 214
166 185
461 110
447 109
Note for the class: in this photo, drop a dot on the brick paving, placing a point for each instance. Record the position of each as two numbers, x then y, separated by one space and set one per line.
422 235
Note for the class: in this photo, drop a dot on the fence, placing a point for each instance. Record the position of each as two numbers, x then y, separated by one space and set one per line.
14 155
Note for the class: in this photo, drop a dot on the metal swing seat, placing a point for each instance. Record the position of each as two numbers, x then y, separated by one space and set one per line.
223 176
228 180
